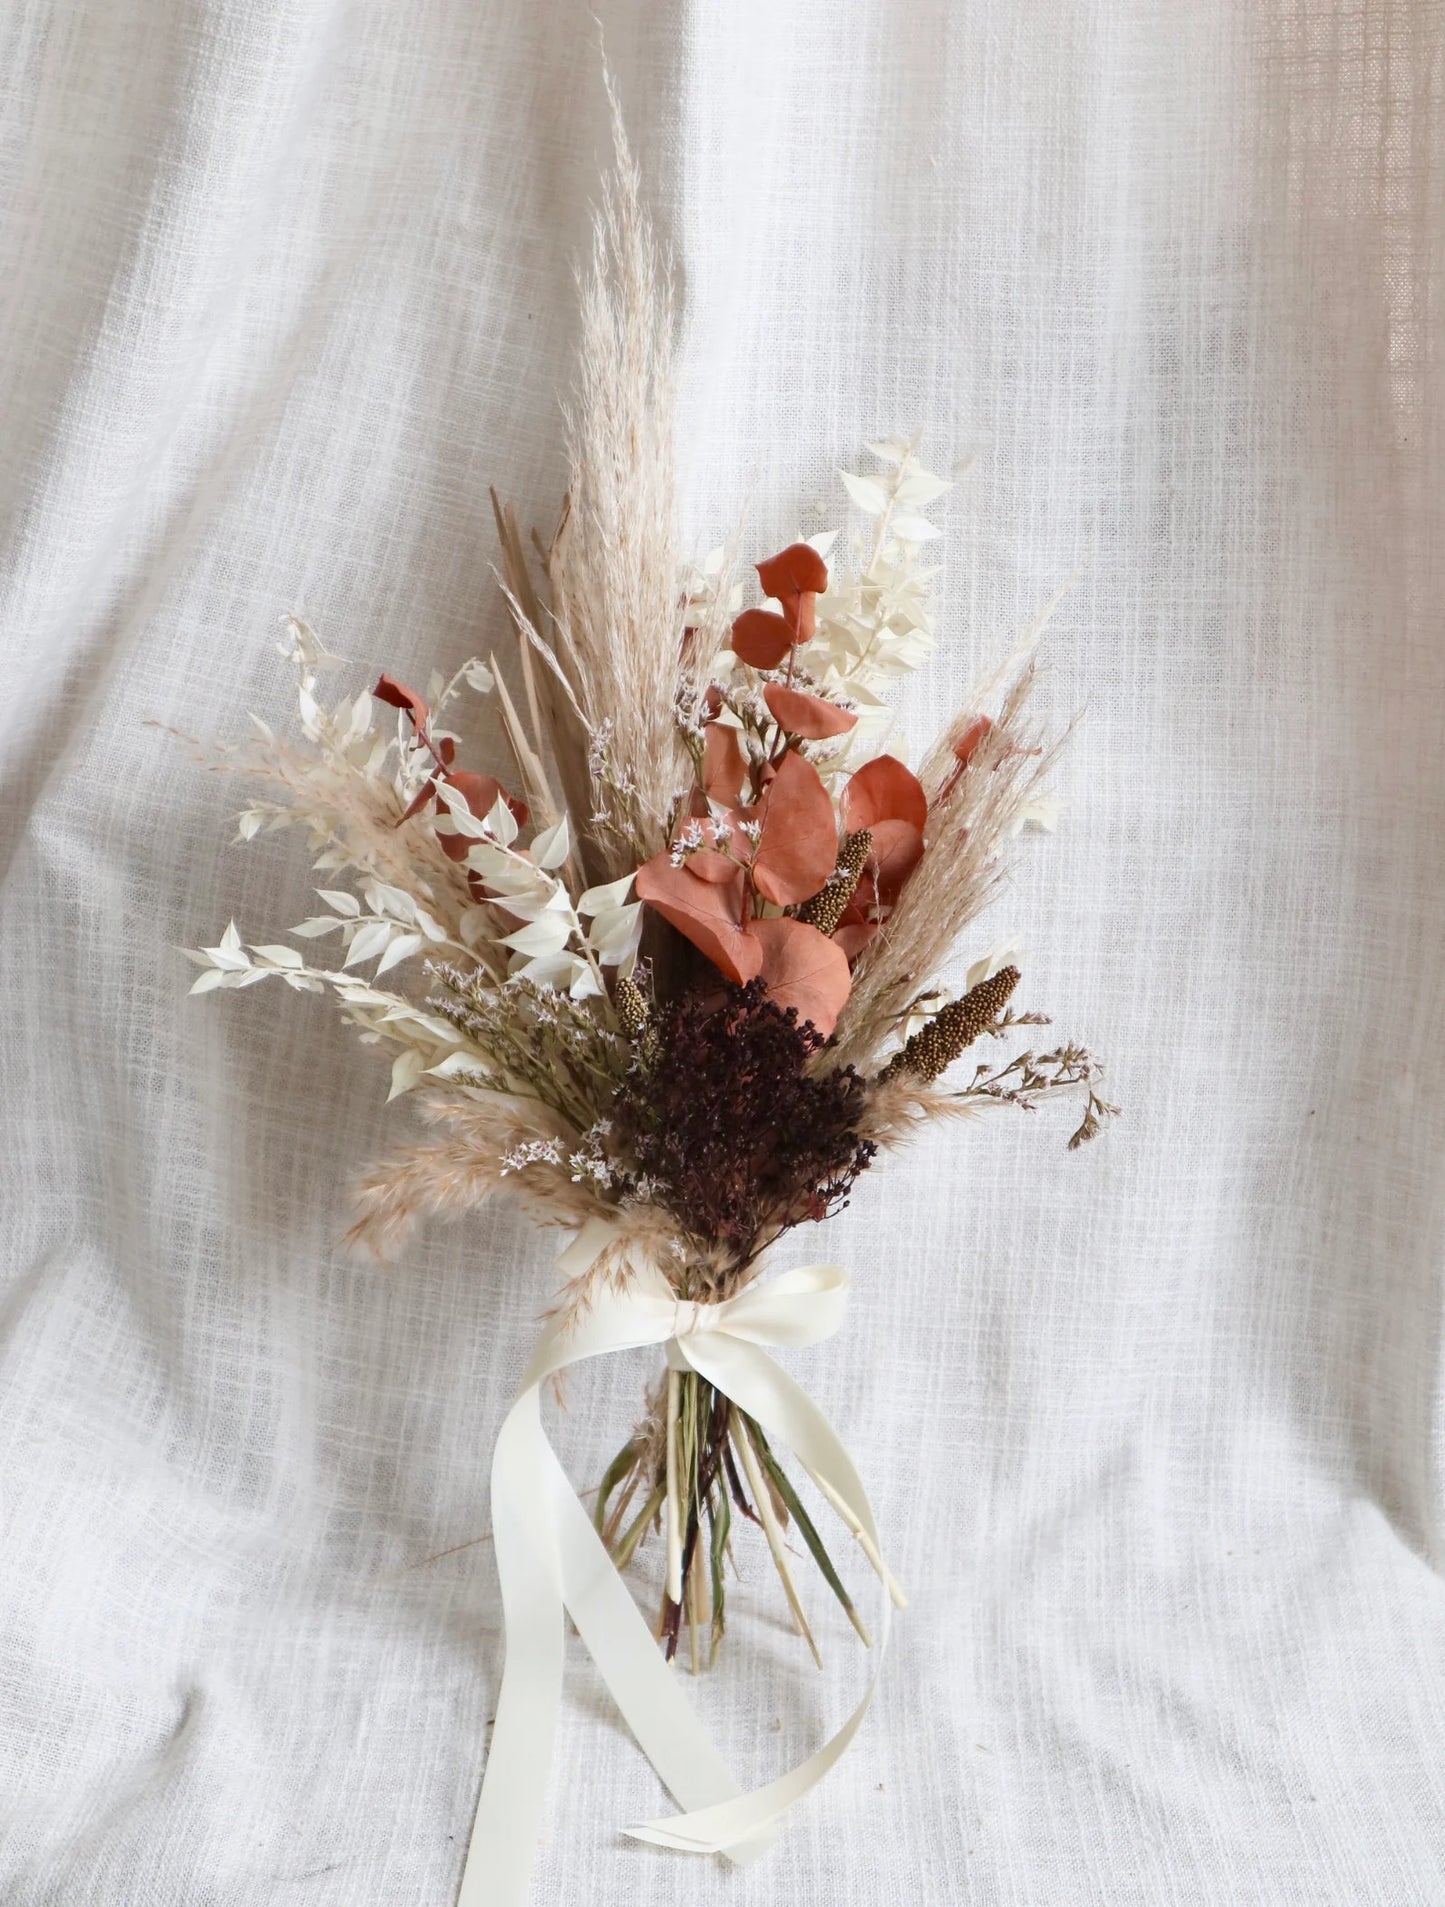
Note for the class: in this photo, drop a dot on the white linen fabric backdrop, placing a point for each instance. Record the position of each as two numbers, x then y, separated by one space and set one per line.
1154 1429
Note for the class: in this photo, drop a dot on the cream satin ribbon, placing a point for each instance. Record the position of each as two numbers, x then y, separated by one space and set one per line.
551 1559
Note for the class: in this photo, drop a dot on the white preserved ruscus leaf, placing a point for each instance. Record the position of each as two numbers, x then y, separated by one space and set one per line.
402 948
406 1070
552 846
501 822
866 492
370 939
279 956
547 934
610 894
914 529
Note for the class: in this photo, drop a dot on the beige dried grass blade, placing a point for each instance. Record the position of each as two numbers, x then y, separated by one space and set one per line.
674 1486
864 1540
763 1497
530 766
560 728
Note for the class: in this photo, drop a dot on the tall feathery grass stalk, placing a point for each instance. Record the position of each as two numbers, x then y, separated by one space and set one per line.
615 627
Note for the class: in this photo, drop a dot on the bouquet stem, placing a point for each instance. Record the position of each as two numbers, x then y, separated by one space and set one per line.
697 1459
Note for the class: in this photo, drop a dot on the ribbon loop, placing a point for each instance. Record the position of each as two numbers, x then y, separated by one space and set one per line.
551 1562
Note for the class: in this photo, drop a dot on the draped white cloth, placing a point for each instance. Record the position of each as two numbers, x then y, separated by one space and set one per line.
1153 1431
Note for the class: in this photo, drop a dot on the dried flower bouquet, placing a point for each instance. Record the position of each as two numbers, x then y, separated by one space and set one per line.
671 974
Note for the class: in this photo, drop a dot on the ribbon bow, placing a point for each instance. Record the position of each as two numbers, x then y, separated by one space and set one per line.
550 1559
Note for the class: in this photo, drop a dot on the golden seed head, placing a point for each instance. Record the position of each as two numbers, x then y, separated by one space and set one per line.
934 1047
830 903
631 1005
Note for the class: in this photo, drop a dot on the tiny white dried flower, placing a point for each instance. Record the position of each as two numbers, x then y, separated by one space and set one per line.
531 1152
597 749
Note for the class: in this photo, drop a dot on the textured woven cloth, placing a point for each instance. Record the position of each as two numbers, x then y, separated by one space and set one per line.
1154 1429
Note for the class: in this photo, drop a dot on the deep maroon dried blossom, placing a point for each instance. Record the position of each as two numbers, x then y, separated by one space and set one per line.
733 1133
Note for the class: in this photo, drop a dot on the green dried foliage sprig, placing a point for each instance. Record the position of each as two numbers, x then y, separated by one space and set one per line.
538 1040
725 1460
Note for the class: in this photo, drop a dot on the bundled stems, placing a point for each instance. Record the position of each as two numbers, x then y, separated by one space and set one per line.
710 1459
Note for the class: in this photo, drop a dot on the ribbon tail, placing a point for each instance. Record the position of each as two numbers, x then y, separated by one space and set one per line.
551 1561
514 1785
760 1813
643 1685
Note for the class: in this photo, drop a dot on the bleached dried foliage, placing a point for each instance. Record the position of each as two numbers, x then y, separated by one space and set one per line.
875 621
350 789
876 618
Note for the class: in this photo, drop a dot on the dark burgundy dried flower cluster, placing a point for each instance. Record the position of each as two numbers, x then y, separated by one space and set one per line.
722 1117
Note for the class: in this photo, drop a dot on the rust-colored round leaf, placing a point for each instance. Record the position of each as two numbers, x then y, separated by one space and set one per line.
724 765
716 869
806 715
398 696
480 794
896 850
478 791
792 571
853 936
420 800
704 913
884 790
805 969
967 744
799 845
761 638
858 925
